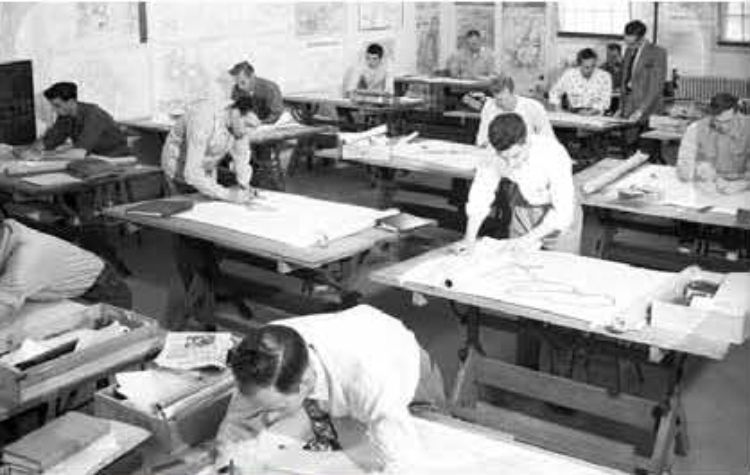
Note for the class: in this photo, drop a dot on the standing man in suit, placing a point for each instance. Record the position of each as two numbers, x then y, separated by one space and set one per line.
643 75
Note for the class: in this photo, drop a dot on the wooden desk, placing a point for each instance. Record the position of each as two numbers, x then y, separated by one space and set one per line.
432 157
78 205
562 120
604 214
662 418
663 139
335 264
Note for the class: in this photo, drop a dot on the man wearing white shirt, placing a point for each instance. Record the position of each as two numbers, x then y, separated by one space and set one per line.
359 363
544 208
587 88
504 101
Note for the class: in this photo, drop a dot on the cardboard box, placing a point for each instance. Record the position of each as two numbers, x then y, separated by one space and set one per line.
725 317
19 387
197 421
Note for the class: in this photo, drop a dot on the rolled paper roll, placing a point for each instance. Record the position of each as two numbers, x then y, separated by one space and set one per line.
353 137
597 183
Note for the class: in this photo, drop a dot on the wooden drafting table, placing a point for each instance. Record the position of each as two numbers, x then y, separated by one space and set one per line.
432 157
562 120
662 138
605 212
75 205
662 418
334 263
71 378
453 446
352 114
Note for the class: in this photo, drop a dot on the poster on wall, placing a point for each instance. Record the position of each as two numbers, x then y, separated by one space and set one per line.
524 33
319 19
380 15
478 16
685 31
428 37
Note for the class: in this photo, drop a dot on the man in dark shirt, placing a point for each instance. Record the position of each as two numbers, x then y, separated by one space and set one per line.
269 105
91 129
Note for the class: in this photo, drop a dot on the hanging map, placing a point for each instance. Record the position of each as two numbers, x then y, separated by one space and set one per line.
319 19
428 37
524 43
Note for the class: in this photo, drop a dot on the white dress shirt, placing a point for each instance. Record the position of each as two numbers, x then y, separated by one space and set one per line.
531 111
367 365
592 93
545 178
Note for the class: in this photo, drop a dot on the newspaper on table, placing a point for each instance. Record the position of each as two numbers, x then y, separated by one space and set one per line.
192 350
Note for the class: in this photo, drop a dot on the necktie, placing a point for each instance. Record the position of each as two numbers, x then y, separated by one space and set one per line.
629 63
324 437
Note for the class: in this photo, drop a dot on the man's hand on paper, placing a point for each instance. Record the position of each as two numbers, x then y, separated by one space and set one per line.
523 244
729 187
704 171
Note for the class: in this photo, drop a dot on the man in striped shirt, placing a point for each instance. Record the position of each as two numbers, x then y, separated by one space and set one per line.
39 267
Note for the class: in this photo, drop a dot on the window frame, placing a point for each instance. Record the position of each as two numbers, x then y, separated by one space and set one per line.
720 17
561 33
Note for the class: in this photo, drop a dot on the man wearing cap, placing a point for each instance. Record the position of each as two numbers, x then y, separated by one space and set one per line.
268 105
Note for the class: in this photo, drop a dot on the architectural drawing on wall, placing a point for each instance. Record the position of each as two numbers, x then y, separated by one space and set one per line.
380 15
524 34
314 19
428 37
684 31
478 16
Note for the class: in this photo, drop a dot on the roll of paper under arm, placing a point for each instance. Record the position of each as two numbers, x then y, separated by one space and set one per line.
595 184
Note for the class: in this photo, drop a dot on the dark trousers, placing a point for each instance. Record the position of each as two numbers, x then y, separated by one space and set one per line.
110 288
267 172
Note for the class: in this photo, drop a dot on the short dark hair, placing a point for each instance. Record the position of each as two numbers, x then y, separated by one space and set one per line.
507 130
375 48
586 53
501 83
635 28
471 33
721 102
271 356
62 90
614 47
242 67
243 104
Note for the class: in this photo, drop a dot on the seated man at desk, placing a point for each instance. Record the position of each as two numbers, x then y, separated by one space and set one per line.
588 89
38 266
505 101
715 151
372 76
473 60
359 363
90 128
544 209
268 106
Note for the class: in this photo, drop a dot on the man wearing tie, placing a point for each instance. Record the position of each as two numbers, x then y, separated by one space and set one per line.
644 73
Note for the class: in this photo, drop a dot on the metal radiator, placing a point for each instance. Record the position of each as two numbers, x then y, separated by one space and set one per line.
702 88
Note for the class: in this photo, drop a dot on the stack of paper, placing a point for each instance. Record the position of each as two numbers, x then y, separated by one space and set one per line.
42 449
193 350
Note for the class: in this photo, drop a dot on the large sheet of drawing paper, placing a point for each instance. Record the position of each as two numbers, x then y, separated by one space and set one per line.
447 450
597 121
287 218
430 153
671 190
596 291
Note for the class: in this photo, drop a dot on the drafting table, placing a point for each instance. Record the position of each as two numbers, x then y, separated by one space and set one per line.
562 120
453 446
335 263
354 113
662 138
77 203
605 212
662 417
433 157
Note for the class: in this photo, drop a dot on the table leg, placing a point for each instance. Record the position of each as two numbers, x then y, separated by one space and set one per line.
597 235
387 187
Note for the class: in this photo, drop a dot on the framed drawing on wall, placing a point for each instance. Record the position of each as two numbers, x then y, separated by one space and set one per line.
380 15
